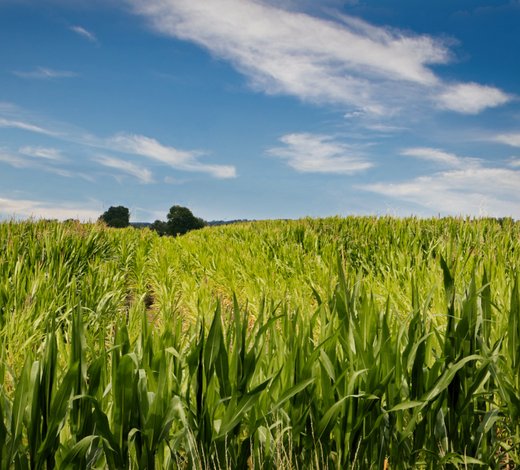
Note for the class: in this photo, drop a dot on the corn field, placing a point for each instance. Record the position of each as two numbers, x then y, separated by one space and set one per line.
339 343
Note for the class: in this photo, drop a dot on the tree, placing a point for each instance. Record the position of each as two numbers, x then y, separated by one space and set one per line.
118 217
182 220
160 227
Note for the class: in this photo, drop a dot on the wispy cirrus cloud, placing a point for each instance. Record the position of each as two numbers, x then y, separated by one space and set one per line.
13 160
25 126
30 157
315 153
441 157
81 31
469 187
33 158
142 174
341 61
44 73
129 144
47 153
179 159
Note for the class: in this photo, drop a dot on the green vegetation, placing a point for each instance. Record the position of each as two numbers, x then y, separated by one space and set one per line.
117 217
332 343
180 221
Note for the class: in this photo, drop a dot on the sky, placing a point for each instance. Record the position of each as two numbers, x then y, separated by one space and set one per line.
259 109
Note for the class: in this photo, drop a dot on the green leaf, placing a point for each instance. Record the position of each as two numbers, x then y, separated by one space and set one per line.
329 418
291 392
59 407
73 457
405 405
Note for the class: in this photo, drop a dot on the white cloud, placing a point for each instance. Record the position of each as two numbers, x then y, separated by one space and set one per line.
471 98
514 162
69 174
39 163
345 61
22 208
178 159
312 153
84 33
512 139
142 174
385 128
440 157
294 53
147 147
44 73
46 153
310 5
469 188
14 160
16 124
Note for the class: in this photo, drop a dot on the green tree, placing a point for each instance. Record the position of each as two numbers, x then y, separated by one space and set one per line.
160 227
182 220
118 217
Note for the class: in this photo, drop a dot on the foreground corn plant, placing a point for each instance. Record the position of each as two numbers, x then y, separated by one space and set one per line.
387 360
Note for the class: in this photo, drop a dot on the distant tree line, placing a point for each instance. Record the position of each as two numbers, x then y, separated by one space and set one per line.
215 223
180 220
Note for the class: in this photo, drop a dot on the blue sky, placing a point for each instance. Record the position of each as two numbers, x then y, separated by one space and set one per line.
259 108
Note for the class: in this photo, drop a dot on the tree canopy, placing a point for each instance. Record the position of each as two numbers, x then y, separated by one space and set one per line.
160 227
181 220
118 217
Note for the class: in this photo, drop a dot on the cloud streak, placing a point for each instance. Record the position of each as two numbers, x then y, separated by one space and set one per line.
344 61
441 157
14 160
468 187
46 153
178 159
80 31
33 158
129 144
142 174
314 153
25 126
511 139
44 73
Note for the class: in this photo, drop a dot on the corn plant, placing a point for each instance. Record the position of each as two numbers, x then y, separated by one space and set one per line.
332 343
